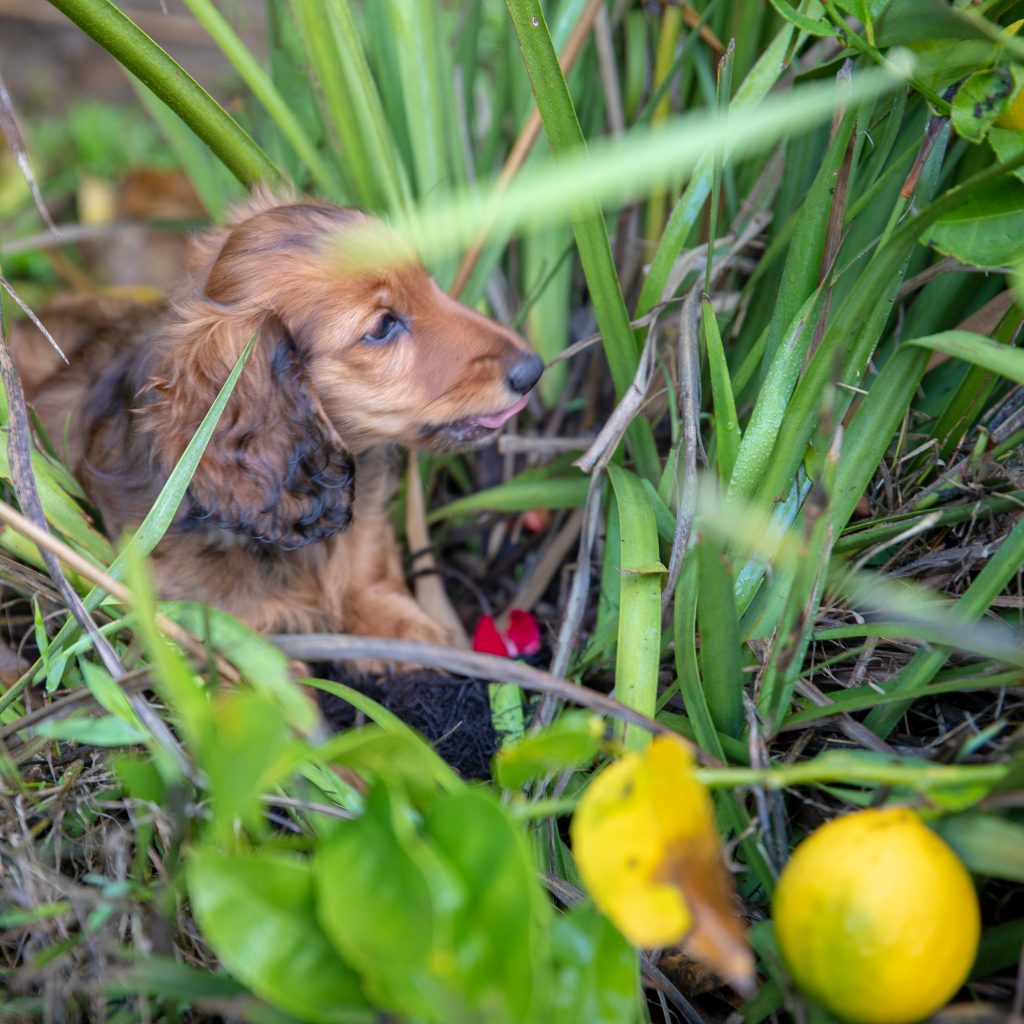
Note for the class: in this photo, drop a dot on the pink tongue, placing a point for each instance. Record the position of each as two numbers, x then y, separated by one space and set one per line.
495 420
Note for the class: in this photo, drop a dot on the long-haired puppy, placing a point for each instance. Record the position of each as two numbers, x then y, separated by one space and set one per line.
284 523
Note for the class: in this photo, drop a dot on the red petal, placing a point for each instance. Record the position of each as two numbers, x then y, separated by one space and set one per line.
487 639
523 632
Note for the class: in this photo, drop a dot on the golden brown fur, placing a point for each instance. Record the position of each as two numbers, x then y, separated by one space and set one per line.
284 523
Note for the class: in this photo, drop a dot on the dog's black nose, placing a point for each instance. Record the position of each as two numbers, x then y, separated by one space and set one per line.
525 374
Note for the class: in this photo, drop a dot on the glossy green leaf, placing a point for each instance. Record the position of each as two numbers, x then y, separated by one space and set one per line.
257 911
376 906
573 741
987 230
500 940
597 977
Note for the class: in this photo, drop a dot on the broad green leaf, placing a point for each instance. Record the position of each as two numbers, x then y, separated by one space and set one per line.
987 844
403 760
376 906
244 749
597 976
500 941
572 741
982 98
987 230
257 911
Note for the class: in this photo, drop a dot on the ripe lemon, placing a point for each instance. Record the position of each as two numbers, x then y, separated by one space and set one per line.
876 918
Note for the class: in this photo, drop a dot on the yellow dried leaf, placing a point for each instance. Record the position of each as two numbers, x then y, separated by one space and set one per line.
645 841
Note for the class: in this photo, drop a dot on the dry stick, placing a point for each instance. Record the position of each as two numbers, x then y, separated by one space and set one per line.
332 646
429 586
689 410
12 134
600 453
527 137
47 542
609 73
22 305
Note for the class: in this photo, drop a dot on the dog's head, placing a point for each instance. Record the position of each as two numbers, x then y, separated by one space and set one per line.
349 354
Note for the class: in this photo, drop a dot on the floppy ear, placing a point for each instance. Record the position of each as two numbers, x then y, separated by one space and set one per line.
275 469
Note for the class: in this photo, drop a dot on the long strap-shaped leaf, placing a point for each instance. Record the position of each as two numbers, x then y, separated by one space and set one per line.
132 48
565 136
265 91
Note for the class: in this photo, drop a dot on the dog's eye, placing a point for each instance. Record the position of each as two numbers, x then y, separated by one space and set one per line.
388 328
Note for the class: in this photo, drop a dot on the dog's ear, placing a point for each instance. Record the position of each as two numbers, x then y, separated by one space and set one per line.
275 469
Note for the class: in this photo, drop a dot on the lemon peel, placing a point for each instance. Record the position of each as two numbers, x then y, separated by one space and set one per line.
876 918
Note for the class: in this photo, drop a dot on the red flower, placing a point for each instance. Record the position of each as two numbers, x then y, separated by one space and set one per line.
521 637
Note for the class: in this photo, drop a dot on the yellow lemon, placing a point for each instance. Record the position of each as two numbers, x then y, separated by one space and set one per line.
876 918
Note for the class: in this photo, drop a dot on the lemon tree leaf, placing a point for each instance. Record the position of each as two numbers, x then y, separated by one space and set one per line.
376 907
986 230
500 929
982 98
572 741
596 970
257 911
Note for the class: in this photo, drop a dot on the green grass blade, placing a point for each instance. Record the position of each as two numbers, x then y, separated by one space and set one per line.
588 224
719 636
639 642
727 425
421 64
684 216
170 82
265 91
368 153
160 516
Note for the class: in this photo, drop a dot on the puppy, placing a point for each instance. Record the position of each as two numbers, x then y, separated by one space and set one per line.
285 522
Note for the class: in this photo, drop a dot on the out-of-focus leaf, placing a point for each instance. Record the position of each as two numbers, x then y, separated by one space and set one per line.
260 662
574 740
987 844
97 732
257 911
595 970
647 847
244 749
987 230
500 940
376 906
